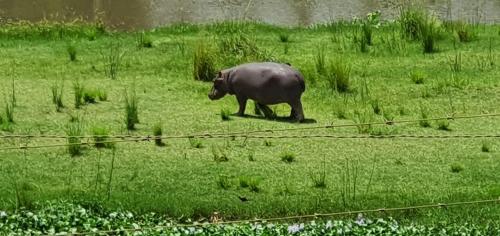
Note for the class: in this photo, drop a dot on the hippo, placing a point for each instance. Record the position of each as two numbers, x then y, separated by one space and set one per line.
267 83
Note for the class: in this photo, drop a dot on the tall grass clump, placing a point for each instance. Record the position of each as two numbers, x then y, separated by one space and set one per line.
57 95
113 59
456 63
144 40
320 61
338 76
131 110
74 131
157 133
319 179
412 21
78 90
9 112
284 37
101 137
203 63
71 49
430 35
465 32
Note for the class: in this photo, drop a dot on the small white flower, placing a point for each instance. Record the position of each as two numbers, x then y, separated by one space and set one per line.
130 215
3 214
329 224
113 214
29 214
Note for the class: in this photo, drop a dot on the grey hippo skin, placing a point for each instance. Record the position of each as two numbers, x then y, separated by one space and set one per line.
266 83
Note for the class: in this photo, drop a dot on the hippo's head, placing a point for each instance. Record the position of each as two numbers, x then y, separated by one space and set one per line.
219 89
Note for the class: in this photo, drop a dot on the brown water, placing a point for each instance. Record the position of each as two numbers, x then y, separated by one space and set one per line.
137 14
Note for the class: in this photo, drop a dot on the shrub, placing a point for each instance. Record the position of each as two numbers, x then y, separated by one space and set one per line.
338 76
131 110
287 157
203 63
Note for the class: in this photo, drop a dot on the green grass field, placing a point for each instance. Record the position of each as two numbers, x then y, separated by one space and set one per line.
391 79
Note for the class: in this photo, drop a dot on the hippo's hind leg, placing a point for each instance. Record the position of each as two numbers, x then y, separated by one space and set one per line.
268 113
297 111
242 101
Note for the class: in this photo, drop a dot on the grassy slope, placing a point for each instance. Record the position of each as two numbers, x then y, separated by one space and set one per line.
181 180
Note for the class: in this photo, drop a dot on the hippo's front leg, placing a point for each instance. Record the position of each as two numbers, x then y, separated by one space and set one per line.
242 101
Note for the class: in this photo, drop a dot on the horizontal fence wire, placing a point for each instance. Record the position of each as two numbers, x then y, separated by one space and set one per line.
288 218
324 136
230 134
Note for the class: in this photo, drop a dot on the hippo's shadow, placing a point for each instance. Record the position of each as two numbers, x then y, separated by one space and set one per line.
285 119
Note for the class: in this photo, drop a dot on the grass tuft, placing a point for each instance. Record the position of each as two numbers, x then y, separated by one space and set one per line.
418 77
219 155
224 182
456 167
284 37
57 95
157 133
71 49
131 110
424 114
203 63
101 137
412 21
486 147
195 143
74 130
79 90
443 125
144 40
287 157
113 59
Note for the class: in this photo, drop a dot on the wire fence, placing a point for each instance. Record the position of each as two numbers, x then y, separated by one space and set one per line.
324 136
288 218
241 133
